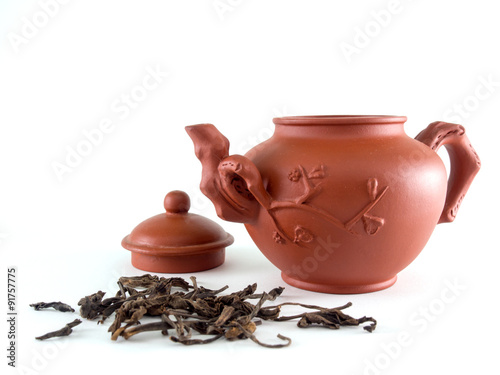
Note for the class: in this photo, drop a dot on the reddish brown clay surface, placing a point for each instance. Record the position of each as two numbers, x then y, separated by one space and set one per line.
177 241
340 204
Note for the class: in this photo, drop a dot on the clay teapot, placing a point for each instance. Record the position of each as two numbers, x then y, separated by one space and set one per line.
340 204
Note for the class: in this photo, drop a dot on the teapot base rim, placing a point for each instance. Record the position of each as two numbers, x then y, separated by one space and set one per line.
336 288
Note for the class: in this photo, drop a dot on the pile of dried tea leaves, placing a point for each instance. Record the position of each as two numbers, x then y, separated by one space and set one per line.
187 312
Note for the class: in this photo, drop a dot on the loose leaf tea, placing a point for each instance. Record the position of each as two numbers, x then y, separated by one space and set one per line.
65 331
187 309
329 318
59 306
187 312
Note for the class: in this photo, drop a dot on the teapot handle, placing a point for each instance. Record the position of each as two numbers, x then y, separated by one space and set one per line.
464 162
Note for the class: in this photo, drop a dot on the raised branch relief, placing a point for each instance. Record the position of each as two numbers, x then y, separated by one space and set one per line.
311 183
301 235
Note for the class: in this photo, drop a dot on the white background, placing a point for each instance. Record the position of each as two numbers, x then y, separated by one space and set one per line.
65 70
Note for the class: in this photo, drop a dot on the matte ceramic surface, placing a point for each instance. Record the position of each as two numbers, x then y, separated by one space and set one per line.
177 241
340 204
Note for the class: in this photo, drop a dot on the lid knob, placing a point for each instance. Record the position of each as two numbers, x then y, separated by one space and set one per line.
177 202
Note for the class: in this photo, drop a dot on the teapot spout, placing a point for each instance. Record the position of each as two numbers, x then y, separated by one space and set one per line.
226 180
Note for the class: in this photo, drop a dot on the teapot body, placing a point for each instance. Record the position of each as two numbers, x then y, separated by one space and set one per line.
354 204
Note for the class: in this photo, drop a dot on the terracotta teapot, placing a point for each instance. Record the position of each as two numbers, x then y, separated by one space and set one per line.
340 204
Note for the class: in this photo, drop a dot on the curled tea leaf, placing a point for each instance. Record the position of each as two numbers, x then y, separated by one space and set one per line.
59 306
65 331
91 305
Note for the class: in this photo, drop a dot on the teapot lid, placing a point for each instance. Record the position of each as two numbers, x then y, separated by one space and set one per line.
177 241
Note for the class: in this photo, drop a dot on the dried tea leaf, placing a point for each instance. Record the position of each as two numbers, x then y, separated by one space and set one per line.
224 316
238 331
195 341
144 281
59 306
65 331
91 306
249 334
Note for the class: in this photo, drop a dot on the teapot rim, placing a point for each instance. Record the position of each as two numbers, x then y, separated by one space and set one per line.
339 120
